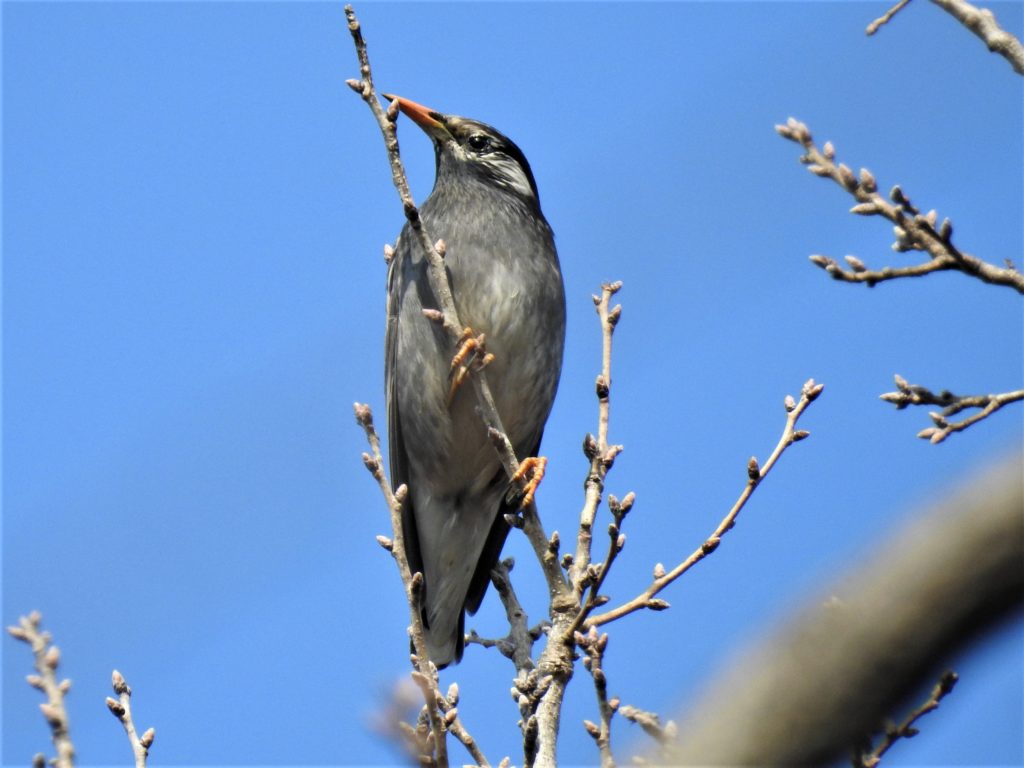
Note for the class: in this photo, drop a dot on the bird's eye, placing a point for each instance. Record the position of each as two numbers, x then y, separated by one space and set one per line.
479 142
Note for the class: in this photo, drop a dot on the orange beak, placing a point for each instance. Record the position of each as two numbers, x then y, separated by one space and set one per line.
430 121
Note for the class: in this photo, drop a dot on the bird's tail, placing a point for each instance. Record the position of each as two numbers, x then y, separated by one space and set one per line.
457 558
445 643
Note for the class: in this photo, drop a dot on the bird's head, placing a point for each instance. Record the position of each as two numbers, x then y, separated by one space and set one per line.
473 151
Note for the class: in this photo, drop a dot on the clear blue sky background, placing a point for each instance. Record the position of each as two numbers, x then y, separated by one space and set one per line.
194 206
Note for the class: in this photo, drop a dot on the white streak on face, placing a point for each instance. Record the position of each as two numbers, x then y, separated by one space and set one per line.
501 169
508 173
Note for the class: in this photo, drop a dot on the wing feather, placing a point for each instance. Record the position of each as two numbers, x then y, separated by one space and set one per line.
397 456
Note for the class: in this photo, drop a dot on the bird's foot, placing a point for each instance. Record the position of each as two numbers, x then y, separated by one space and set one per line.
532 467
471 355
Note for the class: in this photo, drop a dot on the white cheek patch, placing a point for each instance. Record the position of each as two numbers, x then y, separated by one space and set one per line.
500 169
509 174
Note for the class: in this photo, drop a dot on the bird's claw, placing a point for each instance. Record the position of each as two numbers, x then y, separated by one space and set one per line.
532 470
470 345
471 355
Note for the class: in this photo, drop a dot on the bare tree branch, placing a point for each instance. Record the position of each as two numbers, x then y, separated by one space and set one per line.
587 577
121 708
47 659
556 663
982 23
755 474
906 729
583 574
886 17
914 231
518 644
449 706
601 455
425 673
440 712
914 394
651 723
424 670
836 671
593 646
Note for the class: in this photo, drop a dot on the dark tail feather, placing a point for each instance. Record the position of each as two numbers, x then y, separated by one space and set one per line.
444 651
488 559
449 650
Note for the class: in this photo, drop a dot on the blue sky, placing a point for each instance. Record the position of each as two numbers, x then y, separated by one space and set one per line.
194 206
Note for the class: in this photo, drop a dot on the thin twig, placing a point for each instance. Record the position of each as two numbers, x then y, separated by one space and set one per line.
983 23
597 574
650 722
755 474
555 667
906 729
597 450
450 706
559 594
459 731
419 739
389 721
914 394
882 20
440 711
593 646
518 644
121 708
583 573
425 673
47 659
914 231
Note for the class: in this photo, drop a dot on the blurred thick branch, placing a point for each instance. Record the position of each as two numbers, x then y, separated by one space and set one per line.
47 660
835 671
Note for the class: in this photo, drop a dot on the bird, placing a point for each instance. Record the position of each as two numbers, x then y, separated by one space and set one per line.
507 285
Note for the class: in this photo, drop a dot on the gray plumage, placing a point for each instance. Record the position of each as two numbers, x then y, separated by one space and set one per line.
506 283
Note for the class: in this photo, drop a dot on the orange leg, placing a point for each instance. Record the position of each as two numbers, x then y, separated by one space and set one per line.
471 355
468 344
532 467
